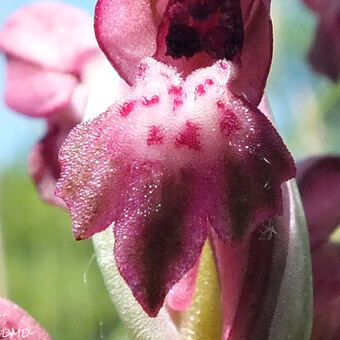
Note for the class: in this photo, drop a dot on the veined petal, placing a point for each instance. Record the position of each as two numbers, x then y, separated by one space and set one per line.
53 35
37 92
319 184
173 147
12 317
256 55
126 33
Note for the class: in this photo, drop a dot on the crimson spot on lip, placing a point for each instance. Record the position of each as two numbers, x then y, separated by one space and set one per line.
149 102
155 136
200 90
127 108
175 90
177 102
189 136
229 122
141 69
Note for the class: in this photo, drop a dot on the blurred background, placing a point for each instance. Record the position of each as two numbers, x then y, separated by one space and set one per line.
55 278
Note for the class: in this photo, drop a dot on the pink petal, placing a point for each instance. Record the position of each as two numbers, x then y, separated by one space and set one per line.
12 317
256 55
126 33
50 34
319 184
37 92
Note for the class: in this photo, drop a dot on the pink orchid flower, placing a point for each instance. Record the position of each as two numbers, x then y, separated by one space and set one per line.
319 184
184 156
324 54
15 323
50 48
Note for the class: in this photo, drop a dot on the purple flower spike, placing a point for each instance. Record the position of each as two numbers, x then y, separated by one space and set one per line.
171 159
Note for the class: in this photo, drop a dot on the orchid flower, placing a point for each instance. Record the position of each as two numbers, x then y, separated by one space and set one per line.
319 183
324 54
15 323
184 174
49 78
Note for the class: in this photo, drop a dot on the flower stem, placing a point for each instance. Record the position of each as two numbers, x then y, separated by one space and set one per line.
203 320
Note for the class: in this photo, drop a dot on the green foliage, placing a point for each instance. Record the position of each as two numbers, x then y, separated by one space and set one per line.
48 273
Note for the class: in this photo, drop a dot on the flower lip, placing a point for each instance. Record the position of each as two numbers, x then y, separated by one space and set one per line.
163 173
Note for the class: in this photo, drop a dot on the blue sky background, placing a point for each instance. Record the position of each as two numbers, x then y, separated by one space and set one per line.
289 77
